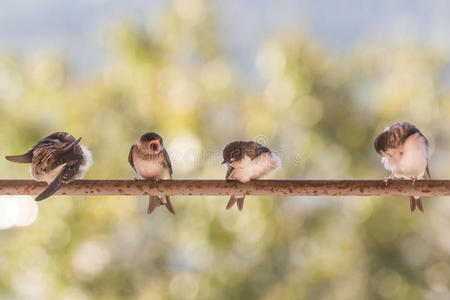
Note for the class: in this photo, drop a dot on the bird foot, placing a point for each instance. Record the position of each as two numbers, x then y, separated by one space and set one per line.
386 180
414 179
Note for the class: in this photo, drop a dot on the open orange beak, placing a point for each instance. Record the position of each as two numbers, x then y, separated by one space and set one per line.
154 146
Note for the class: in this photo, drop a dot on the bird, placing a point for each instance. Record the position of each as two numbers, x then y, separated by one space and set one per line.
404 151
247 160
150 160
56 159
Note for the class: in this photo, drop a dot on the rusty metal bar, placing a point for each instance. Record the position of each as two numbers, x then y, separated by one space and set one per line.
221 187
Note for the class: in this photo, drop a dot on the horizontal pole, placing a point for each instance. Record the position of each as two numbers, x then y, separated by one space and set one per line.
222 187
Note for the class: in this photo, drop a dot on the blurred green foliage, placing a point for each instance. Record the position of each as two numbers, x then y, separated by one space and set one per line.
318 111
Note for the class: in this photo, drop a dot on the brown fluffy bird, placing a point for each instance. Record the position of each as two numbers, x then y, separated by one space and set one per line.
247 161
57 159
404 151
150 160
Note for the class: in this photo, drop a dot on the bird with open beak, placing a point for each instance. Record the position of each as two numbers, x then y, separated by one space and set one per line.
57 159
150 160
404 151
247 161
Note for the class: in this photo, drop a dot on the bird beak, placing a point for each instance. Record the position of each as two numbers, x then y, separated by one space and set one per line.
223 162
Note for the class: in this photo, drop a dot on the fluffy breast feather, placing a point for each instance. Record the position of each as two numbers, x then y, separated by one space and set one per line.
415 156
413 162
152 168
86 163
248 169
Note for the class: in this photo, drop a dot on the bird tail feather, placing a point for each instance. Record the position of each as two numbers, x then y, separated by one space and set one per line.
21 159
415 202
239 200
155 201
169 205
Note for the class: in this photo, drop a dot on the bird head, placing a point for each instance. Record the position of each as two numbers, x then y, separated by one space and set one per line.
151 143
232 152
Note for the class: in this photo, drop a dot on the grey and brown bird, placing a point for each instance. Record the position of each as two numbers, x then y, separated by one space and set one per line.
247 160
150 160
404 151
56 159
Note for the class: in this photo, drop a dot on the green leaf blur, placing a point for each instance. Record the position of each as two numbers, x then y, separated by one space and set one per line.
317 110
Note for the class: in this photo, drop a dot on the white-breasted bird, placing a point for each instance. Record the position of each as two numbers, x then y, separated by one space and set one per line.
150 160
247 160
404 151
56 159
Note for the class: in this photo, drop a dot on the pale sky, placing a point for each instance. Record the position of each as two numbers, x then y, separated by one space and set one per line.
74 27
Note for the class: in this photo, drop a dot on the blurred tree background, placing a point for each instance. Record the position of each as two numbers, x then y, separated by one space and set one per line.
317 110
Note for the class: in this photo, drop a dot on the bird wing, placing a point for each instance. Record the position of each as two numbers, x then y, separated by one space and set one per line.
229 171
130 157
254 150
428 172
69 154
65 176
61 141
50 155
167 162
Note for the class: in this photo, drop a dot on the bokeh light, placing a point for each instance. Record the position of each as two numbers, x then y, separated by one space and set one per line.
318 109
17 211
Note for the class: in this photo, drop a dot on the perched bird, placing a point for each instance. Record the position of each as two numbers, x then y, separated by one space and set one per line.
247 161
150 160
404 151
57 159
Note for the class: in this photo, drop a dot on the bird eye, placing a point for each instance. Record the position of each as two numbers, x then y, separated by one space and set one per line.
401 153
